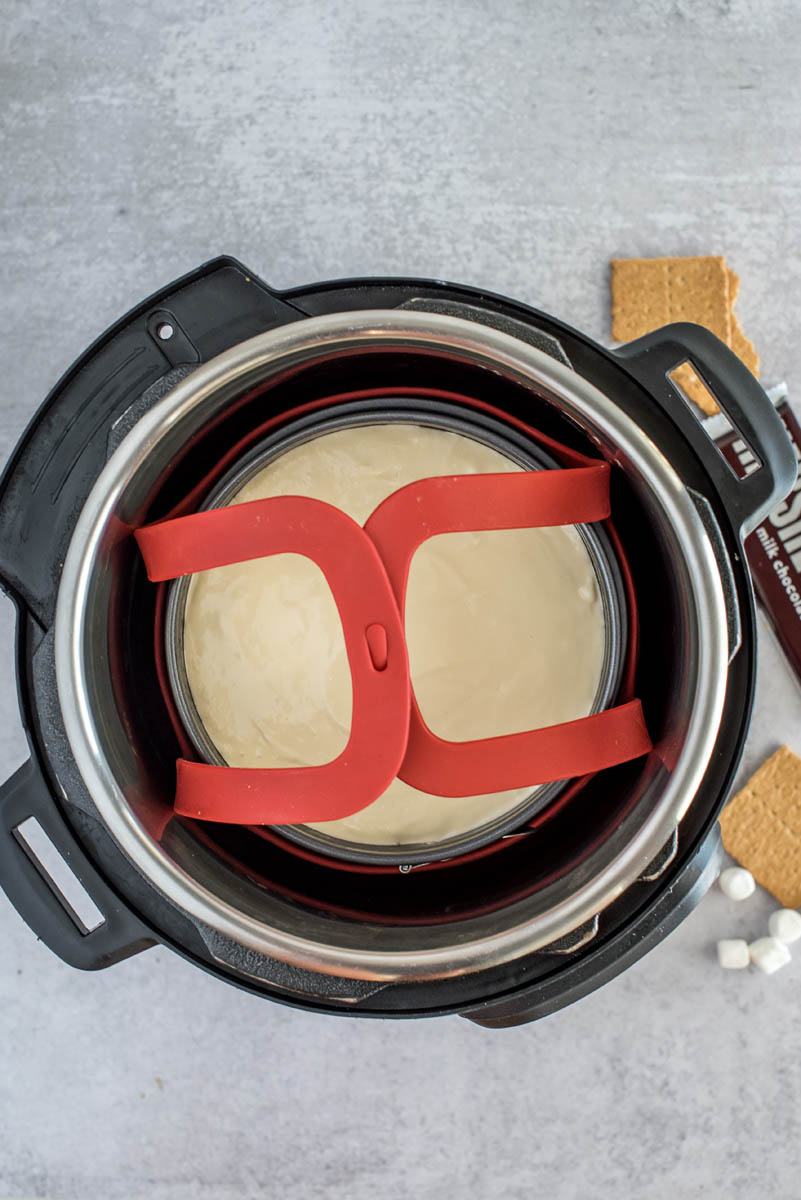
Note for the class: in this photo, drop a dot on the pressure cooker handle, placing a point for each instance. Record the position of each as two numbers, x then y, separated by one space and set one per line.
650 359
27 858
606 956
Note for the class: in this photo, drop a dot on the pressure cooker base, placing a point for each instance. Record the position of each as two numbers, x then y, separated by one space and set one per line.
41 496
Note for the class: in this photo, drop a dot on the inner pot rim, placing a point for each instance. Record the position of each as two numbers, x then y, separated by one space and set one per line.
194 398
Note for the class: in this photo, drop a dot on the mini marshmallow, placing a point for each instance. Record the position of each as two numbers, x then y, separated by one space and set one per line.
769 954
737 883
785 925
733 953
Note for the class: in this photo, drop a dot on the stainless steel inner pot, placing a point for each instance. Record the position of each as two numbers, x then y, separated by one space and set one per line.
133 800
512 445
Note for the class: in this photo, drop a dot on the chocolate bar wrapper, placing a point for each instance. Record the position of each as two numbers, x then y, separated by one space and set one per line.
773 550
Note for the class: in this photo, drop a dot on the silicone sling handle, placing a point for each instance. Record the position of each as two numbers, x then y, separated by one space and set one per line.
374 641
428 507
367 571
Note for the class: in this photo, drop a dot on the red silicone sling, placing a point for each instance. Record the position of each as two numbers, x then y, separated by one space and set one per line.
374 642
367 571
428 507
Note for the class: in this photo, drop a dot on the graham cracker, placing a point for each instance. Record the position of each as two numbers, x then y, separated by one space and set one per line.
650 292
695 388
739 343
761 827
742 347
734 285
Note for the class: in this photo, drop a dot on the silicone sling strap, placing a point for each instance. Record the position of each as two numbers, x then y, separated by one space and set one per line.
367 571
374 641
429 507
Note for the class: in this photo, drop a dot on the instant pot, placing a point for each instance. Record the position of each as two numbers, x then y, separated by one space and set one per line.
153 423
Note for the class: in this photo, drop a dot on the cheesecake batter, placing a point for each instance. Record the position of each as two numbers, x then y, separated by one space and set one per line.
505 631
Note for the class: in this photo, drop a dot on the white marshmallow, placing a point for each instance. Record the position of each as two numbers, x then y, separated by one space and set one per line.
733 953
785 924
769 954
737 883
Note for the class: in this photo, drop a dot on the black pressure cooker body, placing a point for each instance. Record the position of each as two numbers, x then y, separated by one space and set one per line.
503 935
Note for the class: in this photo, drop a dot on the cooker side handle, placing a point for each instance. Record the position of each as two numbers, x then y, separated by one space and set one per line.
650 359
33 836
608 957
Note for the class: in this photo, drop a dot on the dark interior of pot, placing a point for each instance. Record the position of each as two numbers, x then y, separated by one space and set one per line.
258 871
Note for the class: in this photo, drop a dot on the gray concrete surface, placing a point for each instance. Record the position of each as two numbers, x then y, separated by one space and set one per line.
517 146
